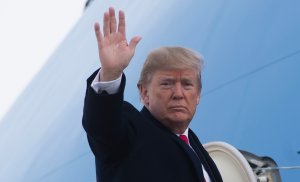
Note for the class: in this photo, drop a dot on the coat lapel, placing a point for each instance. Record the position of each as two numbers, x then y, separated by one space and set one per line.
200 153
191 155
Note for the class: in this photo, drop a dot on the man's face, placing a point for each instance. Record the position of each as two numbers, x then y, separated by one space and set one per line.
172 97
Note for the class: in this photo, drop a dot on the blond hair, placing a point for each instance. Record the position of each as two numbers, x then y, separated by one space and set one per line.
170 58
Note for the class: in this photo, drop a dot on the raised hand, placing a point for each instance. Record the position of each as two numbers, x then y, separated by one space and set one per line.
114 51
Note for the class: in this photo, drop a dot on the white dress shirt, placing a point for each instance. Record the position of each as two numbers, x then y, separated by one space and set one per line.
111 87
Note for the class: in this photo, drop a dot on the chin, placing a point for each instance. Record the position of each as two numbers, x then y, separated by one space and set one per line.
181 119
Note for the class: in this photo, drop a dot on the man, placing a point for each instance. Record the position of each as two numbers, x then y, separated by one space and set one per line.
154 144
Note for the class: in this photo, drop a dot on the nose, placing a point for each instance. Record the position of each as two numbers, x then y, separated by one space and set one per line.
177 91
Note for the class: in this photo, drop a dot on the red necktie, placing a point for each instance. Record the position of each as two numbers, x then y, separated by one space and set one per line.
186 140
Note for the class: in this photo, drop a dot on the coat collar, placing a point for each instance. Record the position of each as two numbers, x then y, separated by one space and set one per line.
191 154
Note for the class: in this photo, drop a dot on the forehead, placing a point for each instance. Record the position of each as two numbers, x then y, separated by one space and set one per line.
176 73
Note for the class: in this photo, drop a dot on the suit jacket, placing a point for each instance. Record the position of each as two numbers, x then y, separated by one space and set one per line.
132 146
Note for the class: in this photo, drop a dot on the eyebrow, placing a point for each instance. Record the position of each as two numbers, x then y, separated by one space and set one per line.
170 78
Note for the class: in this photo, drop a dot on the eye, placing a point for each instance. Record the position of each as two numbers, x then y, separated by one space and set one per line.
188 85
166 84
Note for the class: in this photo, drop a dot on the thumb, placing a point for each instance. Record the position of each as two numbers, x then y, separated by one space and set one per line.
134 41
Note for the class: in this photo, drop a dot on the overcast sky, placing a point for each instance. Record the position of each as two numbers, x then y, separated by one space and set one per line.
30 30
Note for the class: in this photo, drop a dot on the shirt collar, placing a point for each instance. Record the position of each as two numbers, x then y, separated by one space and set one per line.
186 133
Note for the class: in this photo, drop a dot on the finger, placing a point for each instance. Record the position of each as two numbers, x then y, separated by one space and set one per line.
106 24
121 26
113 21
134 41
98 32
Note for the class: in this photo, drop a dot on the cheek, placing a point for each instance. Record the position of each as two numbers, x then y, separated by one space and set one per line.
193 102
158 101
158 94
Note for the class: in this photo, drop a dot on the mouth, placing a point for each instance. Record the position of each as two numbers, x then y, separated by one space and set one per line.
177 108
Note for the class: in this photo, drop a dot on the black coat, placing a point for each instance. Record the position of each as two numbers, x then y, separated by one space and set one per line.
132 146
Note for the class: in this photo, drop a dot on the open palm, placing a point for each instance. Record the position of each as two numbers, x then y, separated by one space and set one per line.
114 51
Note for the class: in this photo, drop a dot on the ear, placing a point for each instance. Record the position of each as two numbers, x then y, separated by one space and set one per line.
144 94
198 98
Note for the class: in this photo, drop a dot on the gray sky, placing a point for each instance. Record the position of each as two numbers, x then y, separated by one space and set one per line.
29 32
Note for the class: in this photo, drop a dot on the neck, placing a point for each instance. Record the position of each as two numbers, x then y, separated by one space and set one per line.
180 131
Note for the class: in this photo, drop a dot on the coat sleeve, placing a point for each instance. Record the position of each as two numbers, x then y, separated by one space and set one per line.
107 130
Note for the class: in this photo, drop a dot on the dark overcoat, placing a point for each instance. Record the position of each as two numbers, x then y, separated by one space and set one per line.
132 146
